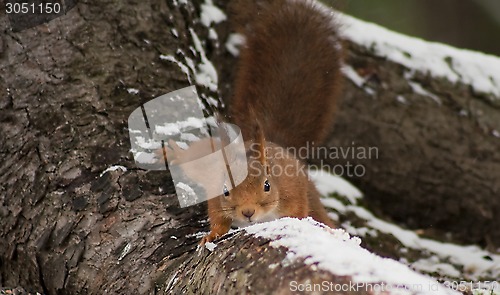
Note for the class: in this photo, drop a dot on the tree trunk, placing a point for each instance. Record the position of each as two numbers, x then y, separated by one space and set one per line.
64 107
66 90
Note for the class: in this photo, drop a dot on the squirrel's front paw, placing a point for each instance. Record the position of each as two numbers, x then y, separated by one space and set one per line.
217 230
208 238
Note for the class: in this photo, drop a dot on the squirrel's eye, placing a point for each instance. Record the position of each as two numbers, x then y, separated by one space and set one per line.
267 186
225 191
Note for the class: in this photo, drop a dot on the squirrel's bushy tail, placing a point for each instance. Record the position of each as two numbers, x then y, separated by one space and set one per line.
289 71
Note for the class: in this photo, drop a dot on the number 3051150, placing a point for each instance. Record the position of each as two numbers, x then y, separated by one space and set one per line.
25 8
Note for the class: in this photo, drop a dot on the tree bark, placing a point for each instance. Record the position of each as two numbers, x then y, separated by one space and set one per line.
64 109
241 265
64 99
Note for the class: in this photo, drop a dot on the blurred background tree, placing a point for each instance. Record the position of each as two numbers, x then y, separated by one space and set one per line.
471 24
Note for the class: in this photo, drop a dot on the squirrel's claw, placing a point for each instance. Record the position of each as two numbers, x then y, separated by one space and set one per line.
208 238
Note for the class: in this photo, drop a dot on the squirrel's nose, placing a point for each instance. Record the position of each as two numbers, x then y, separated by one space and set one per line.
248 212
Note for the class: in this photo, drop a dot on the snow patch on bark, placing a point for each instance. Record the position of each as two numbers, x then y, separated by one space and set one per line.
335 251
447 259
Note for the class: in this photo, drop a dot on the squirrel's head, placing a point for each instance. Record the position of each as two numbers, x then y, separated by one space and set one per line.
256 199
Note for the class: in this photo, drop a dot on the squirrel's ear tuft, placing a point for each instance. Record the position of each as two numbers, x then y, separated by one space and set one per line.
222 129
261 142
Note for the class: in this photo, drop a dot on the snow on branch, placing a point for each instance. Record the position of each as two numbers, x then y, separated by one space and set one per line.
335 251
479 70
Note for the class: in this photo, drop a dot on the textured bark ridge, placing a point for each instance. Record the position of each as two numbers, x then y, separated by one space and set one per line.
64 104
64 107
243 265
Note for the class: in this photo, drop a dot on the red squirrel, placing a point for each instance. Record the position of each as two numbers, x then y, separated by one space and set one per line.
285 93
